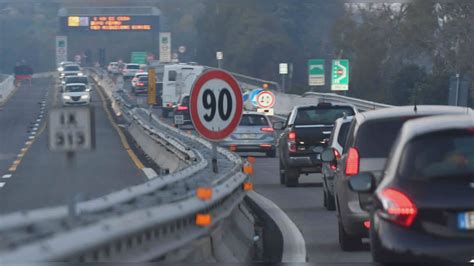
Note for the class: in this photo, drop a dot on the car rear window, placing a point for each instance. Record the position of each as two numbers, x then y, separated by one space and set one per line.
341 138
75 88
83 80
375 138
71 68
143 78
253 120
446 154
321 115
133 67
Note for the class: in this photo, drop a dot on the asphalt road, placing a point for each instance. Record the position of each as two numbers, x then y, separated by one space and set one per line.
43 178
303 205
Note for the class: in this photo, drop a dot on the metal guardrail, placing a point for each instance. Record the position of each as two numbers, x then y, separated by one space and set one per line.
248 82
122 226
362 105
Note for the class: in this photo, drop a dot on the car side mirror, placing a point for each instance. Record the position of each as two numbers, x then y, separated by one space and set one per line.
278 125
362 183
328 156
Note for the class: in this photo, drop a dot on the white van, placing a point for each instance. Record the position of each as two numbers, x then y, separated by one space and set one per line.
177 80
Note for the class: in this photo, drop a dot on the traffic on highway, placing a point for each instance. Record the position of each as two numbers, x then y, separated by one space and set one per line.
208 131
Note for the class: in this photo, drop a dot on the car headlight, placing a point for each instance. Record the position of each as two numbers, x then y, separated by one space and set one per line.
66 97
85 96
80 74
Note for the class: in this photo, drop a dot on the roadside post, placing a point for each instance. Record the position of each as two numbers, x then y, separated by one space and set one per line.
220 58
151 89
283 70
315 73
71 130
216 107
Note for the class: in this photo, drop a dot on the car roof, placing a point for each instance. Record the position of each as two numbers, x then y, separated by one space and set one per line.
132 64
427 125
252 113
332 104
74 64
409 110
75 84
343 120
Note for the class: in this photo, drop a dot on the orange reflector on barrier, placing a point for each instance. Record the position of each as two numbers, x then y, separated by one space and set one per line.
247 186
248 169
204 193
251 159
203 219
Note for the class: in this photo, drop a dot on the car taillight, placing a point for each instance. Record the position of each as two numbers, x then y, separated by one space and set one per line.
267 129
182 108
397 207
292 141
337 155
140 83
292 136
352 162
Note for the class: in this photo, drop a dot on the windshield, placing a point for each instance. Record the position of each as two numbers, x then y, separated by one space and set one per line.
321 115
133 67
447 154
75 88
71 68
83 80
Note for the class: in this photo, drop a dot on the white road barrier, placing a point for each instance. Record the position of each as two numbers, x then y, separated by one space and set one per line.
6 88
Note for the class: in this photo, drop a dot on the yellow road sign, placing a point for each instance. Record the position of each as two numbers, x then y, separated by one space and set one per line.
151 86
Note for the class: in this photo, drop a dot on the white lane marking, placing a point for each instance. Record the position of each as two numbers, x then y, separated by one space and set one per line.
7 176
24 149
294 246
31 137
36 125
38 120
35 128
150 173
20 155
2 184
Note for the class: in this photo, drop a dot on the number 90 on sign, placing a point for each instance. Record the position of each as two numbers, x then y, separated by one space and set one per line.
216 105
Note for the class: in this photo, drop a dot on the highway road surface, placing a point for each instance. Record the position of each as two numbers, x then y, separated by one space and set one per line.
303 205
31 176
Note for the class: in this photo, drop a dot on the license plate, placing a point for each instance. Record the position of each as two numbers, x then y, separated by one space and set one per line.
249 136
179 119
466 220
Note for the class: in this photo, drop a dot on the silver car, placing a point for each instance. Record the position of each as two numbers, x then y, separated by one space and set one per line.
336 143
255 133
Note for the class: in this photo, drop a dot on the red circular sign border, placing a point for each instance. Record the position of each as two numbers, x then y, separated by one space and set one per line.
273 99
197 86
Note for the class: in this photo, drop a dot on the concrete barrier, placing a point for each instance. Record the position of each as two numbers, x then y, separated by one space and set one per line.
6 88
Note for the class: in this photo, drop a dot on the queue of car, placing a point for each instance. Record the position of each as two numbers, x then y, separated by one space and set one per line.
75 88
403 178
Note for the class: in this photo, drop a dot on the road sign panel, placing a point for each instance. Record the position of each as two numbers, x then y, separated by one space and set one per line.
61 49
151 86
219 55
340 75
165 44
316 72
182 49
215 104
139 57
265 99
71 129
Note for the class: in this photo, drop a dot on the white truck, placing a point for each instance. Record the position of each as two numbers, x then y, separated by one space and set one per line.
177 81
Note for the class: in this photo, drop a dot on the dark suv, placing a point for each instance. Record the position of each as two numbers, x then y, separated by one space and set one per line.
305 134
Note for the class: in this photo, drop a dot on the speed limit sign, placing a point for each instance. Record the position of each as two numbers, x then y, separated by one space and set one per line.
215 105
265 99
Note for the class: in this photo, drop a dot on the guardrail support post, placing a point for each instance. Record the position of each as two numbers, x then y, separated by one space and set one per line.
214 158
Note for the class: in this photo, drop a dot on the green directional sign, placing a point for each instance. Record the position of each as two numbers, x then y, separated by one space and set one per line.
139 57
316 72
340 75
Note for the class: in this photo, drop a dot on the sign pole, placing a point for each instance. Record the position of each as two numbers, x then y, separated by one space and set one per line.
283 83
72 211
214 158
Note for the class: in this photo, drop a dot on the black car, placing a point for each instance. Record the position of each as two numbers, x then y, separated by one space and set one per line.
423 210
141 86
304 137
